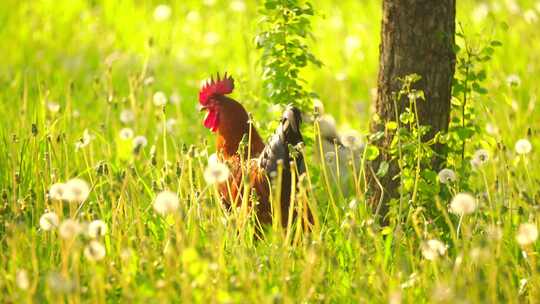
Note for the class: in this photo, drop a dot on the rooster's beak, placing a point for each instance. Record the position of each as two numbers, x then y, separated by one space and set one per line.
201 108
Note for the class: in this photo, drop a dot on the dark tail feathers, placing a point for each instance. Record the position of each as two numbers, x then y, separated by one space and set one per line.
277 149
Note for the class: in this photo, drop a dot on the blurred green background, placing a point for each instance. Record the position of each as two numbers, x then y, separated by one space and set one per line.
96 46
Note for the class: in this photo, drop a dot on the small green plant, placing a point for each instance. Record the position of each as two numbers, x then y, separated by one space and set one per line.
467 91
413 154
283 39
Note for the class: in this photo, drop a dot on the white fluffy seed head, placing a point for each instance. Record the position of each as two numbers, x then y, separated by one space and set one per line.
84 140
22 279
462 204
527 234
127 116
433 249
77 190
480 158
170 124
327 127
216 173
126 133
69 229
238 6
159 99
513 80
166 202
57 191
351 139
523 146
48 221
447 176
96 228
139 142
53 107
94 251
162 12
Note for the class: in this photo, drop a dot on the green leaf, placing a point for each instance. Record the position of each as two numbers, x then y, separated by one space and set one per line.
391 125
372 152
383 169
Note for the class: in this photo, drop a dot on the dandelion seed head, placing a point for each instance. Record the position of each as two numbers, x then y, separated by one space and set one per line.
140 142
77 190
351 139
193 16
126 133
126 254
57 191
447 176
523 146
352 44
527 234
353 204
318 106
462 204
513 80
69 229
209 2
148 81
59 283
238 6
159 99
327 127
216 173
94 251
175 98
162 12
480 12
442 293
96 228
530 16
433 249
84 140
22 279
492 129
513 6
211 38
480 158
341 76
53 107
166 202
170 124
48 221
494 232
394 297
127 116
330 157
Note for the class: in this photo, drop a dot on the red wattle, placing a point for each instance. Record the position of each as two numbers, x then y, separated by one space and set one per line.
211 120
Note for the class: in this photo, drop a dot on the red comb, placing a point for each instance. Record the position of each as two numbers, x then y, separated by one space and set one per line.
220 86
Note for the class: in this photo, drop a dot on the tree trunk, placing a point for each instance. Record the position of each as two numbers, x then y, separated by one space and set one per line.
417 36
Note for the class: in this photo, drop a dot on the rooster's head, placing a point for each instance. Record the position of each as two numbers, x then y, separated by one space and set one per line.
208 100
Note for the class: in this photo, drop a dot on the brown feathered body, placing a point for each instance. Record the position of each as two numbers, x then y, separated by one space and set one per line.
259 161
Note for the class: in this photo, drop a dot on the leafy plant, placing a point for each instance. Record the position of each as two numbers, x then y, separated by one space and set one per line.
283 39
468 87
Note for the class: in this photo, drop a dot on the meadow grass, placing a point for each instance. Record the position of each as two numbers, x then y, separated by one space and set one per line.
71 66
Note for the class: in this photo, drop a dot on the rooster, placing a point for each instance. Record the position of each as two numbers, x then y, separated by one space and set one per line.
230 121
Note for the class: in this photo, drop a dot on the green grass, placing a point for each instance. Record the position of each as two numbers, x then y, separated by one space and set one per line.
61 51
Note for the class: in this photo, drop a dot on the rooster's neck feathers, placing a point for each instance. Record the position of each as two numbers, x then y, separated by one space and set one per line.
233 126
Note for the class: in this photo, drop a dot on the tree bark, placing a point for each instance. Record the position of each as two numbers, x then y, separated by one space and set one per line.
417 36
